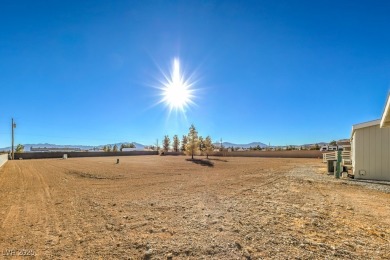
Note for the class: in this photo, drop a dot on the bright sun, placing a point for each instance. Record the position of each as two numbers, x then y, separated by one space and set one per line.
177 91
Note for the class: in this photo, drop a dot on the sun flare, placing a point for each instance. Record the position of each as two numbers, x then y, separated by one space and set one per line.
176 91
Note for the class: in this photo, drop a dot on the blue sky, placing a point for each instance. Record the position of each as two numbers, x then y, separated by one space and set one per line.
279 72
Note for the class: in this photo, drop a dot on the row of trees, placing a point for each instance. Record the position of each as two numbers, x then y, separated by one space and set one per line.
132 145
190 143
109 148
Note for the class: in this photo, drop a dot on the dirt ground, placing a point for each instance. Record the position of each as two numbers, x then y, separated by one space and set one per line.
159 207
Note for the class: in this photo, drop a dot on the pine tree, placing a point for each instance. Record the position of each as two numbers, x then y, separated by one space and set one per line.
193 141
166 143
201 144
208 146
115 149
184 142
176 143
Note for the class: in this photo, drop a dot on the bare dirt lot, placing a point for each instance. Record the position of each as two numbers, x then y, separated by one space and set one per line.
157 207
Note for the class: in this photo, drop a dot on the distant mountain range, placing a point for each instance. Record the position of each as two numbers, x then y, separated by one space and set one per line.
27 147
141 146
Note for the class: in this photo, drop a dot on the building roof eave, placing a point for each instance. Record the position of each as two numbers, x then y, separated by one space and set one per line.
364 125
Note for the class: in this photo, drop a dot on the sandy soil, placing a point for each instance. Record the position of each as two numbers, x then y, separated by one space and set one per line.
157 207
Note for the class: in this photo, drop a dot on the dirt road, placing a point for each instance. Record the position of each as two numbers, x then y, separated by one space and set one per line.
167 207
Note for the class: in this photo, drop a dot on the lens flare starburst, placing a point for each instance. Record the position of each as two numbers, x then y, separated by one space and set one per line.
177 91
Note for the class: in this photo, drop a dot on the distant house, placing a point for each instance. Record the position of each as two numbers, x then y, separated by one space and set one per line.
54 149
344 144
371 148
96 149
129 149
330 148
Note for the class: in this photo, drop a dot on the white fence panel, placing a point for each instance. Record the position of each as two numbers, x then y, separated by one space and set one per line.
3 159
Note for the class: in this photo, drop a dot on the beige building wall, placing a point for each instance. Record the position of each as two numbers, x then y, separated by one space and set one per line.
371 153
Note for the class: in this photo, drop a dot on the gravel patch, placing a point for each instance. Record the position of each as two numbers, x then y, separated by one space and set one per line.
318 174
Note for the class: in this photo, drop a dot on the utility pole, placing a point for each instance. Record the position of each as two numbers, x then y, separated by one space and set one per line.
13 126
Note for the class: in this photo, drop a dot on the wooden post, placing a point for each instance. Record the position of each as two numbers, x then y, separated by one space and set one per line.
338 165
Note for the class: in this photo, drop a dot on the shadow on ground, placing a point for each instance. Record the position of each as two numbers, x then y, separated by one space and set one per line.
219 160
201 162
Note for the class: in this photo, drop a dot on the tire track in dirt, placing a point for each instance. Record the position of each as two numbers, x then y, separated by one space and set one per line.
32 216
46 210
18 192
85 216
17 185
63 230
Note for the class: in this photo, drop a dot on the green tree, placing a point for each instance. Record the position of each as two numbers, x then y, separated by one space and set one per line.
184 142
115 149
333 143
166 143
317 147
19 148
176 143
105 148
108 148
193 141
208 146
